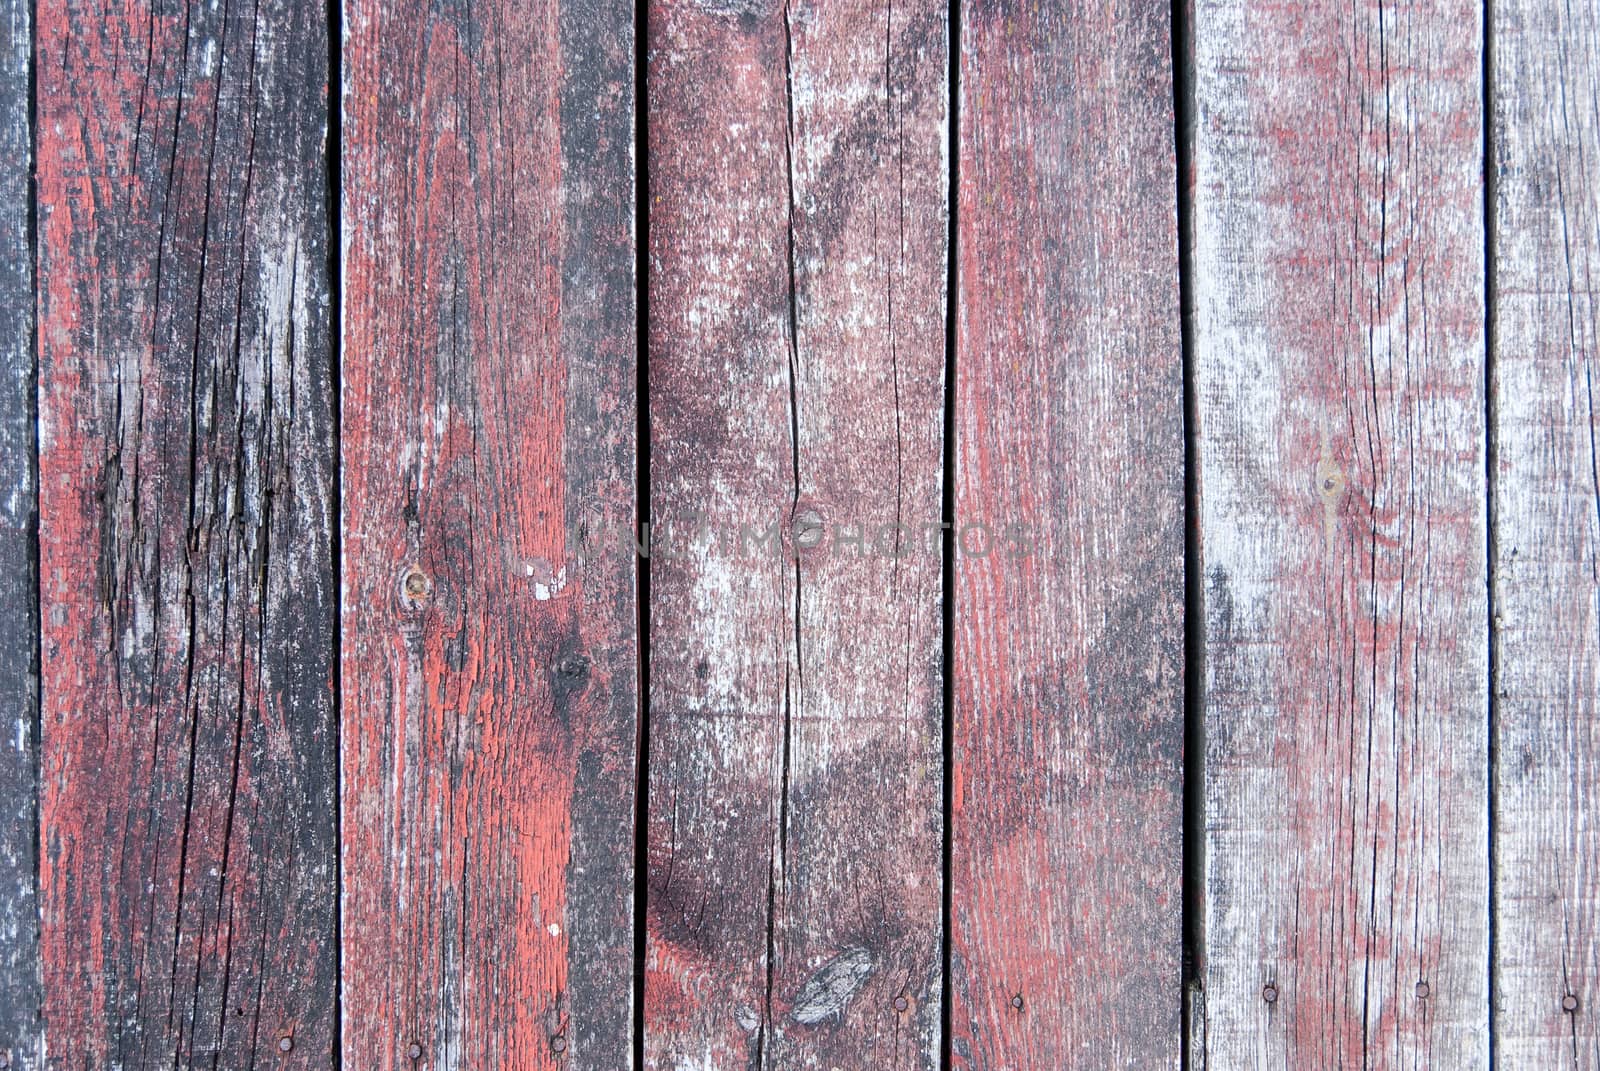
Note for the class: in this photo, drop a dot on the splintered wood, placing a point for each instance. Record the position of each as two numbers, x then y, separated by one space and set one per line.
187 816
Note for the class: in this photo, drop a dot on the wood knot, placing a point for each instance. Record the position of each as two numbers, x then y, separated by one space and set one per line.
415 588
827 993
1330 480
808 529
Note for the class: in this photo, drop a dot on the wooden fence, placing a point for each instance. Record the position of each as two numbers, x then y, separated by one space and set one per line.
1015 536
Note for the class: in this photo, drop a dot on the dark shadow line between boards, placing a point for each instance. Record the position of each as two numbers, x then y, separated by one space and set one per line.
1491 658
947 546
1192 881
641 282
334 170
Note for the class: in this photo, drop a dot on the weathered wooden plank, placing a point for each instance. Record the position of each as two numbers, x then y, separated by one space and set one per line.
187 884
1338 329
798 174
1546 93
19 927
1068 645
489 658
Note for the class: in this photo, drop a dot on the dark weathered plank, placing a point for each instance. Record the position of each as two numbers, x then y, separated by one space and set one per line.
796 337
488 442
186 488
1068 642
1546 547
1339 401
19 624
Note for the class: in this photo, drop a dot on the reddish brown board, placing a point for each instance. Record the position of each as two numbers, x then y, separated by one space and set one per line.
489 614
1068 634
798 173
1546 339
19 625
186 485
1339 357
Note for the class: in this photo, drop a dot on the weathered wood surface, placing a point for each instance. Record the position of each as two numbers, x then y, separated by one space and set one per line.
1339 353
797 176
19 625
489 657
1068 642
1546 138
187 882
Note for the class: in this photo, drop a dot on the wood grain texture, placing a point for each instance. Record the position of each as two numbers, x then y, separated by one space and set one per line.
489 661
798 174
20 1035
1068 644
187 876
1546 79
1338 275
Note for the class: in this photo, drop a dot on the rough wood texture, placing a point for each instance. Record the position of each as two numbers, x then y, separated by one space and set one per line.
1546 534
489 664
1068 640
1339 393
19 624
798 176
186 490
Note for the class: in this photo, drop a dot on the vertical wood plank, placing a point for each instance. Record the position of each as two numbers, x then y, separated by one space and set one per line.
1338 280
1068 641
19 926
798 175
1546 92
186 487
489 657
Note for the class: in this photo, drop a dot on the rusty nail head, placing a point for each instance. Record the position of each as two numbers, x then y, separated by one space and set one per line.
901 1004
1016 1002
1569 1003
1269 993
1423 990
415 1051
285 1043
559 1043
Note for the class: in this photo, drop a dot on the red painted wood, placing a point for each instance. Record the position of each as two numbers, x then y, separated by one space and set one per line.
19 626
1546 535
489 616
797 177
1339 357
1068 644
187 883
